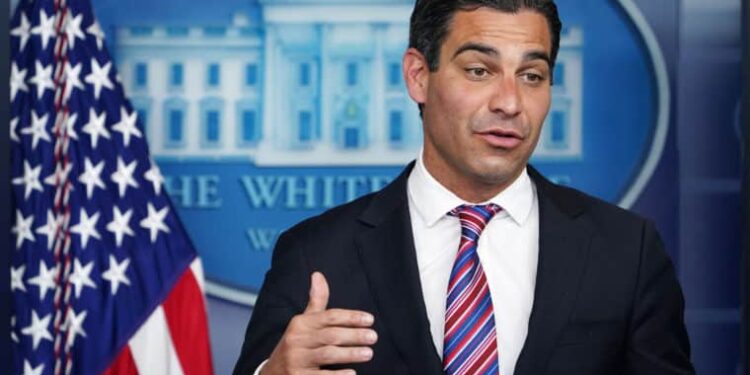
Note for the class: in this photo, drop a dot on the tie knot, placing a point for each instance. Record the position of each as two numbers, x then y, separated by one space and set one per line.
474 218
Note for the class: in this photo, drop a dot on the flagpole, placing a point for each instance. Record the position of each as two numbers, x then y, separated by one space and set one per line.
5 211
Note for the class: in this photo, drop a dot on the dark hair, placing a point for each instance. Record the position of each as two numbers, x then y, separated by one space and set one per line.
431 18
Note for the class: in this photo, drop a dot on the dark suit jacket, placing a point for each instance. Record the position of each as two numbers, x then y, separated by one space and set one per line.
606 301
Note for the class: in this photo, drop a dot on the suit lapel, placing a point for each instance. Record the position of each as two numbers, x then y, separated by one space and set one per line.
563 250
386 247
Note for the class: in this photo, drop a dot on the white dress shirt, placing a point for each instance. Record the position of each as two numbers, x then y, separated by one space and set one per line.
508 249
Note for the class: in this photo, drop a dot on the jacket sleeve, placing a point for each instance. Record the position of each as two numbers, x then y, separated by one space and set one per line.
282 296
658 341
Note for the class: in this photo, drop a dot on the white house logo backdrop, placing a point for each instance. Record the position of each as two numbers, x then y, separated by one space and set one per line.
263 113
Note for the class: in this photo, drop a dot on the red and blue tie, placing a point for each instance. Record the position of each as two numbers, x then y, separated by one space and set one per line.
470 345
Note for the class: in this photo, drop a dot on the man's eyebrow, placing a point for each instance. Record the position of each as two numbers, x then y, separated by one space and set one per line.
491 51
478 47
538 55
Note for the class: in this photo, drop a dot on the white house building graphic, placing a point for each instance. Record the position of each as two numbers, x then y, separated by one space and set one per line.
303 83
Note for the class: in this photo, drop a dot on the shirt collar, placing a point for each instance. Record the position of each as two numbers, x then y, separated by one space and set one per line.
433 201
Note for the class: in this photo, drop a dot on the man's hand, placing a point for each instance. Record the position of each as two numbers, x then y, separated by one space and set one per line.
319 337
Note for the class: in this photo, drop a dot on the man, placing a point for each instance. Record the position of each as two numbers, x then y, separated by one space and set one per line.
471 262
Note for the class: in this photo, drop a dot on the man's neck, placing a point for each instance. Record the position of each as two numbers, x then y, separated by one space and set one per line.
469 188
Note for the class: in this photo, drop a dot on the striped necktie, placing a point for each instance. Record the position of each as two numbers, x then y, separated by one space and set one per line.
470 345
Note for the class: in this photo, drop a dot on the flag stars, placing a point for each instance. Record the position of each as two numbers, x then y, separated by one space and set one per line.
16 278
81 277
17 81
23 31
127 126
45 280
38 329
73 29
99 77
13 335
92 176
154 176
116 273
123 176
13 127
154 222
30 179
68 127
37 129
73 79
74 327
95 127
22 229
86 227
96 31
50 229
42 78
120 225
28 370
45 29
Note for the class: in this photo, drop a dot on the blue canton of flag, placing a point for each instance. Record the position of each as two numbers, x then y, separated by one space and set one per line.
98 247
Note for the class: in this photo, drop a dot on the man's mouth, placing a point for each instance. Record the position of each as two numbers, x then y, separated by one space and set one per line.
501 138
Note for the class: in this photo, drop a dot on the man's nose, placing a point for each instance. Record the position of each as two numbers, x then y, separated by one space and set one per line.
506 99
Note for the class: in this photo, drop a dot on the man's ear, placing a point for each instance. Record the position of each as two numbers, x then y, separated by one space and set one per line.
416 75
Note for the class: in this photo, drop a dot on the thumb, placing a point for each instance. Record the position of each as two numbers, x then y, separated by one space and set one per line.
318 293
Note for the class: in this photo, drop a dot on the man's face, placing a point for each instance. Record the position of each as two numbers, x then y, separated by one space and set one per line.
485 105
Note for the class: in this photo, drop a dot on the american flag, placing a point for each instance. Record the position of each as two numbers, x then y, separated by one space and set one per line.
104 277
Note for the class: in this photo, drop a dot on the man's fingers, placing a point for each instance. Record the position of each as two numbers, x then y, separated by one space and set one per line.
340 336
332 355
343 318
318 293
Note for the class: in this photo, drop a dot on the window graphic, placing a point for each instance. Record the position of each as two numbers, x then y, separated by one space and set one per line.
212 126
177 31
249 126
396 127
394 74
304 74
214 75
559 74
248 131
174 120
351 137
141 31
562 135
559 130
351 74
141 75
305 127
251 74
176 75
143 107
211 110
214 31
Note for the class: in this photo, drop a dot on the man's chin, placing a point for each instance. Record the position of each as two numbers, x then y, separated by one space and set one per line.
497 174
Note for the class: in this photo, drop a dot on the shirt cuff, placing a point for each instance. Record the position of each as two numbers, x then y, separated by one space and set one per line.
260 367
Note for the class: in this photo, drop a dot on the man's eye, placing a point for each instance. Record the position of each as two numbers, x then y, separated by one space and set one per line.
477 72
532 77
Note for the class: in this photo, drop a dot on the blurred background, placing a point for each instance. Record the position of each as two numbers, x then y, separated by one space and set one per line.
263 112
